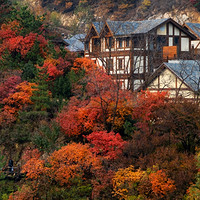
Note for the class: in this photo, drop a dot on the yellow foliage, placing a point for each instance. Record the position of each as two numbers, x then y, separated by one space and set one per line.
126 180
146 3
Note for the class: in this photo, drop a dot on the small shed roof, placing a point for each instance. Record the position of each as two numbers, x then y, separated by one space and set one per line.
76 43
80 36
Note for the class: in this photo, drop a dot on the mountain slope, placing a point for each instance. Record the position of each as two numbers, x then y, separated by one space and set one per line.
74 14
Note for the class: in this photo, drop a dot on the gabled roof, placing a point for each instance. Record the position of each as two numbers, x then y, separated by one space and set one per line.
194 28
134 27
124 28
188 71
98 26
148 25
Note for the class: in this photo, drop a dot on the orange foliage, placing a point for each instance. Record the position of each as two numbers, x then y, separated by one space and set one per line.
25 193
29 154
71 161
161 185
21 44
83 63
69 119
126 180
16 101
147 102
124 108
107 105
141 184
54 67
21 98
63 165
34 168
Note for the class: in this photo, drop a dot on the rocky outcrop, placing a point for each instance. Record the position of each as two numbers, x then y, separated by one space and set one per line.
188 15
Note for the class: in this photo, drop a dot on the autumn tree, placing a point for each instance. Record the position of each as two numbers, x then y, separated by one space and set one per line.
126 181
103 104
161 184
63 166
138 184
147 102
194 190
8 87
16 101
108 145
181 119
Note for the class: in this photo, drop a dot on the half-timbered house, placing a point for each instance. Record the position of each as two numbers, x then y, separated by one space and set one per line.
132 50
194 28
178 77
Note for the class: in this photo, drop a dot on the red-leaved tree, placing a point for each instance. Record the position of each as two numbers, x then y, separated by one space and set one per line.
108 145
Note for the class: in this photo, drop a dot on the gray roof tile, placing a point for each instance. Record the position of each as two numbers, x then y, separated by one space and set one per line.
195 27
98 26
134 27
76 43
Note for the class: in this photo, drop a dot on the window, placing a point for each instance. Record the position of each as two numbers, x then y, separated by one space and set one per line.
185 44
109 42
109 64
120 42
120 64
96 44
136 43
87 45
176 40
139 42
127 42
161 41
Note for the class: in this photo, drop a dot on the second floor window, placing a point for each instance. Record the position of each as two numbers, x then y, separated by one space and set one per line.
161 41
109 42
120 64
127 42
96 44
176 40
119 42
139 42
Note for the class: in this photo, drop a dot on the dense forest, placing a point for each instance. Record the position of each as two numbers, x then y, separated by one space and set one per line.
72 133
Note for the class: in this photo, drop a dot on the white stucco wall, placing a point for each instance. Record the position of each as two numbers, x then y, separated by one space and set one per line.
167 80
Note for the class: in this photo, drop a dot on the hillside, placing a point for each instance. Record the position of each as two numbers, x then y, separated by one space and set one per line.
74 14
69 132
